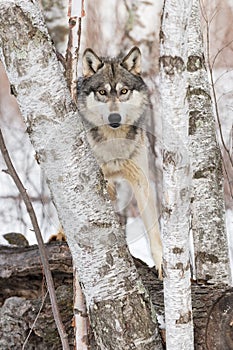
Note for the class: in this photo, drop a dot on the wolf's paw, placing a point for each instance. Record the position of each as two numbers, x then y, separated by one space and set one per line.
160 272
158 260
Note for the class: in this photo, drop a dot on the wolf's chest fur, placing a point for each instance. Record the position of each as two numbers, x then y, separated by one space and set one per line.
113 147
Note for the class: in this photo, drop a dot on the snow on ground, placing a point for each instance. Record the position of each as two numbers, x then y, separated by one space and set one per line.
138 241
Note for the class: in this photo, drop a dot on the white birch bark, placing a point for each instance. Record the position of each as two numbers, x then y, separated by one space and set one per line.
208 226
118 305
177 176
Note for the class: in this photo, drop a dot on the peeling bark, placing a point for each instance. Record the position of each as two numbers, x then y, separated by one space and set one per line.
105 267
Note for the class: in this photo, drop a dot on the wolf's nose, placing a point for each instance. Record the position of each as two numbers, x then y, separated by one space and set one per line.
114 120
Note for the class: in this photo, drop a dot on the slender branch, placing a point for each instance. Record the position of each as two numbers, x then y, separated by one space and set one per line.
222 75
44 259
79 39
45 200
34 323
219 52
224 94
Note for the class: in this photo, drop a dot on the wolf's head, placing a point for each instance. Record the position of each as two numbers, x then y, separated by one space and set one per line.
112 92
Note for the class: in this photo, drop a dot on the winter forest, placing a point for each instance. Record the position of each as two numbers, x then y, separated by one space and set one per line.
79 256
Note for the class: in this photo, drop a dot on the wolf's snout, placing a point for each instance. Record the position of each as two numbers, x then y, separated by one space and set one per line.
114 120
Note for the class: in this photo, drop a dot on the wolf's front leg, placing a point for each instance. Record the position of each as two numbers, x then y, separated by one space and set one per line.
147 207
150 219
146 204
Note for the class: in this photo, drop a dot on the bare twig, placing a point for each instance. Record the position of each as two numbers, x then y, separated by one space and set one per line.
44 259
33 198
219 52
222 75
33 325
224 94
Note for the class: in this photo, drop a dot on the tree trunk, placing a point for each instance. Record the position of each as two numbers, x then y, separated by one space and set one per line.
177 176
109 278
207 210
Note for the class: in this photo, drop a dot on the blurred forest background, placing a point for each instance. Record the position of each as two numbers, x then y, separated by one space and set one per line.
110 29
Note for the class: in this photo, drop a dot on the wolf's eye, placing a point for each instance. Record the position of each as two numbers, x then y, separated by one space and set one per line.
124 91
102 92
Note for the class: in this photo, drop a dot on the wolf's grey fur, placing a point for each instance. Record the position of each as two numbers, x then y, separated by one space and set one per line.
114 103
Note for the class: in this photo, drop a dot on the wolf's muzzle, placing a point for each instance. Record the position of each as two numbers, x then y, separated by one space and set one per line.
114 120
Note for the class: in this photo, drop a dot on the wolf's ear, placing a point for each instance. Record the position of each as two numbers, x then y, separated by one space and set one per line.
132 61
91 63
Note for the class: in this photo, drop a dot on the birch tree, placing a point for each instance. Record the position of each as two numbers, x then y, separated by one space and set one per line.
183 75
211 264
110 281
177 175
208 226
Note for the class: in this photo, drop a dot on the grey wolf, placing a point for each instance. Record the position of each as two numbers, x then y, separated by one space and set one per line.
113 101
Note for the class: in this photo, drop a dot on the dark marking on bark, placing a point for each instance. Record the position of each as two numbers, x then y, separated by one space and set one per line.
13 90
84 178
203 256
104 270
179 266
79 142
29 129
169 158
185 318
101 224
80 312
172 65
194 116
161 36
109 259
178 250
195 63
78 188
37 157
197 92
167 211
204 173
